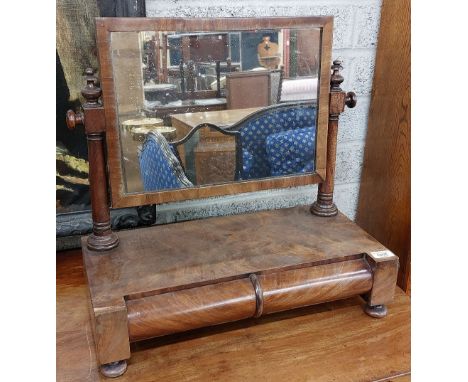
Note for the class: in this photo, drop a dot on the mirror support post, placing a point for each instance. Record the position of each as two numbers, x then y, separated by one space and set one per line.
92 118
324 206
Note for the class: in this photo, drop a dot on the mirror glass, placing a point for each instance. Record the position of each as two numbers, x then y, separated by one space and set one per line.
205 108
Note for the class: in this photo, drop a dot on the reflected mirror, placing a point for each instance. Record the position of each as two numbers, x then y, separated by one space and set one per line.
204 108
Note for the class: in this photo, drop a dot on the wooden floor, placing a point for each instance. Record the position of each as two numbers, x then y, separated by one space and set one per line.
328 342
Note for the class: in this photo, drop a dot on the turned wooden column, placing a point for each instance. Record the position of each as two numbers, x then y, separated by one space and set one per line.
324 206
92 117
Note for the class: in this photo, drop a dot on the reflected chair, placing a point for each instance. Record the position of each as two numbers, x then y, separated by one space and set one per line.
278 140
291 152
159 167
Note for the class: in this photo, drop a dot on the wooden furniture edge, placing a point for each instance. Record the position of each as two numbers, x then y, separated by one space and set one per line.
118 322
384 265
109 327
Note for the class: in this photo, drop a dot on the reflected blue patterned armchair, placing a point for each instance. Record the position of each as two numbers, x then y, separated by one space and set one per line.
279 140
291 152
159 167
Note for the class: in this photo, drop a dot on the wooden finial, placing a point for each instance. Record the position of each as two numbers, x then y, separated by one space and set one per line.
91 92
336 77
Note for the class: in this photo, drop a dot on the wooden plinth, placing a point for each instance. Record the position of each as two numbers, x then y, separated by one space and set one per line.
172 278
330 341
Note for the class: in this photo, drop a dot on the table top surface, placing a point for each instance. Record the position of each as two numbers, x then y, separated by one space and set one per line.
192 253
221 118
335 341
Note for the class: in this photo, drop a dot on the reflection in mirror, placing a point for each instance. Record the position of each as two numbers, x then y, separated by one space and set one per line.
214 107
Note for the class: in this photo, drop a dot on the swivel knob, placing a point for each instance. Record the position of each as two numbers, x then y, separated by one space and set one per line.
74 119
351 99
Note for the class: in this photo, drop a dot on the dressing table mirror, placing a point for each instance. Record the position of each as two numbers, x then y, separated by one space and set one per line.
197 108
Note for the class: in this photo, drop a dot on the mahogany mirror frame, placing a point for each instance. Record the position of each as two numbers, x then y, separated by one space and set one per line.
104 28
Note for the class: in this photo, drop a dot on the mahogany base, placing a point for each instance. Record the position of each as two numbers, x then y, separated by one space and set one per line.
177 277
377 311
114 369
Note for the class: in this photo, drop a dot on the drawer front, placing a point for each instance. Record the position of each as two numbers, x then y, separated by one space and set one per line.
314 285
252 296
187 309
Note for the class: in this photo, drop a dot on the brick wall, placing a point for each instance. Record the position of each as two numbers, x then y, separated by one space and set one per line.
354 40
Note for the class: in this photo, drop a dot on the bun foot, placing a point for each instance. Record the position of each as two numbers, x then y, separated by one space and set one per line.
114 369
376 311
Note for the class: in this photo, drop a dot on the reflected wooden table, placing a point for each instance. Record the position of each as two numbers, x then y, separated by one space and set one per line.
187 106
215 153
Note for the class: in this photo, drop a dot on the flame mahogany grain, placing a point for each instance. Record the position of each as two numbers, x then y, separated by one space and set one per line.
192 308
219 303
227 269
314 285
